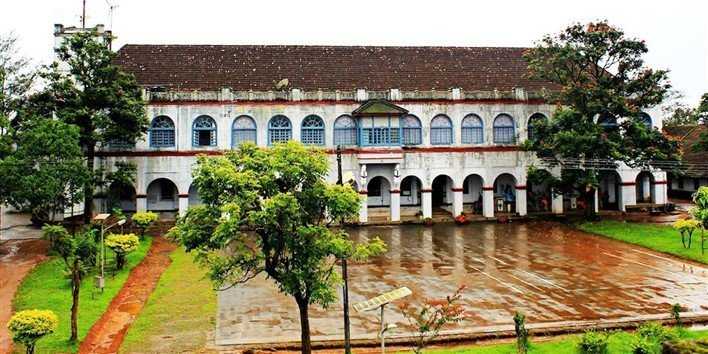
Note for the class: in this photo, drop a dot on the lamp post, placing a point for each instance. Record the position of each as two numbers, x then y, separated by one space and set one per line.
102 218
345 276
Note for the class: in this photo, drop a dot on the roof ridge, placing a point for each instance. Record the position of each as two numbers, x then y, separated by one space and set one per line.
319 46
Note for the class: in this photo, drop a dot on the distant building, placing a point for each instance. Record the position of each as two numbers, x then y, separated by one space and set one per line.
423 129
683 185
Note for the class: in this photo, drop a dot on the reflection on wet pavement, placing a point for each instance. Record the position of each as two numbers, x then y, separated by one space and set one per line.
548 271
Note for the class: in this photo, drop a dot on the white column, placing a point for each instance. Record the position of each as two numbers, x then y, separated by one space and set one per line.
457 195
395 205
521 207
141 203
427 201
596 201
363 211
488 202
183 204
629 195
660 192
557 204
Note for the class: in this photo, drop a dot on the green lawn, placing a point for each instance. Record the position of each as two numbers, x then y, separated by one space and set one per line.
619 342
662 238
179 313
48 288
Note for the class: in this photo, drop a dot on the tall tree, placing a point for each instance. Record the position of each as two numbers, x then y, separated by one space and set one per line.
85 88
600 76
679 113
270 211
46 172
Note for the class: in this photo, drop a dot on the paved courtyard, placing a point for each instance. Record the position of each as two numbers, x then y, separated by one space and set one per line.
548 271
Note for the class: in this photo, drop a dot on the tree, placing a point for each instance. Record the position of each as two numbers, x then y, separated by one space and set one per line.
599 76
121 246
88 90
46 172
78 251
29 326
679 114
273 210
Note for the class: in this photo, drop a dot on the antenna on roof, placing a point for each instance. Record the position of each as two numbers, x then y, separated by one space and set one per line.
111 9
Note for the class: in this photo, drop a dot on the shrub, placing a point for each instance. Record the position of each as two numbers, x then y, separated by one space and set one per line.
686 227
593 342
29 326
122 245
143 220
656 333
522 334
642 345
699 346
53 233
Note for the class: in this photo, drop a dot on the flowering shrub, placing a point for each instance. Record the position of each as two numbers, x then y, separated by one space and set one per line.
686 227
122 245
143 220
29 326
461 219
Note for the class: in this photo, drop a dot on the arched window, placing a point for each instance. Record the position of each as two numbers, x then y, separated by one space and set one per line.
534 119
279 129
645 119
411 133
312 130
607 120
472 130
345 131
504 129
441 130
162 132
243 130
204 131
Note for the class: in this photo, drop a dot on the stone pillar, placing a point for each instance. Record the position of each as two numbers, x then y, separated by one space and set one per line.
364 210
141 203
395 205
427 202
660 192
457 202
521 207
488 201
557 204
183 204
629 195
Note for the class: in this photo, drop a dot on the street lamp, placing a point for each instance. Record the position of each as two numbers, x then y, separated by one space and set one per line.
100 281
345 276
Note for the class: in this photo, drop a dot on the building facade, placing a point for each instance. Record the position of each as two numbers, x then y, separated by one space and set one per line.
422 130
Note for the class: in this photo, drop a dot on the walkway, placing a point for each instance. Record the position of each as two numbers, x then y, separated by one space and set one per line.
17 258
108 332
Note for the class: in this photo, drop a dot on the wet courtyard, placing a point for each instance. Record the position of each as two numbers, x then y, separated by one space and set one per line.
548 271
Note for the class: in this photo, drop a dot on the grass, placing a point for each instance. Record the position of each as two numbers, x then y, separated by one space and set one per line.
48 288
619 342
662 238
179 313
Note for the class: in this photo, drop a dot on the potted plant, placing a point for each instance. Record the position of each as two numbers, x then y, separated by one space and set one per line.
428 221
461 219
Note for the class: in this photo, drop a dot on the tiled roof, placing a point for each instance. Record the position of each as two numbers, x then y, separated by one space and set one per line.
258 68
687 136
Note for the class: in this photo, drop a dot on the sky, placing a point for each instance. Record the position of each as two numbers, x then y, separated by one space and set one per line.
676 32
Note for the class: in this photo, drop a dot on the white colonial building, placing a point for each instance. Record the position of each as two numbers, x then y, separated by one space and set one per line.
422 129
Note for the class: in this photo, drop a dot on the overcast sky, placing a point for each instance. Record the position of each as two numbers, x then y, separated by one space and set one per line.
676 31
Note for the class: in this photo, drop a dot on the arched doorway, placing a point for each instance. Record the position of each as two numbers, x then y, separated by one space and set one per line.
505 194
645 187
411 188
442 191
538 192
378 192
609 190
472 193
194 198
162 195
121 196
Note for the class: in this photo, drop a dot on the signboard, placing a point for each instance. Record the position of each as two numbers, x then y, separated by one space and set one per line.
382 299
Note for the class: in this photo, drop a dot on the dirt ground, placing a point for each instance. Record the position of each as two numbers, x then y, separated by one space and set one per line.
17 258
108 332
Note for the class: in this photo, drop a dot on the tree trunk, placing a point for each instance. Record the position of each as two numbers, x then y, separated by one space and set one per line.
75 287
304 326
29 349
589 197
88 187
